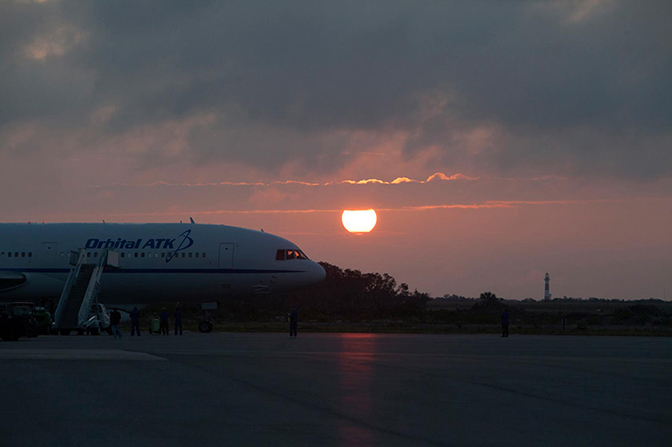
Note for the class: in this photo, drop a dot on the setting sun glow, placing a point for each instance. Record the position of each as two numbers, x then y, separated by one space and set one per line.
360 221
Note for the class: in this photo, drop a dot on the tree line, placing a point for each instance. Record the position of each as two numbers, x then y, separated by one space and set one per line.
349 295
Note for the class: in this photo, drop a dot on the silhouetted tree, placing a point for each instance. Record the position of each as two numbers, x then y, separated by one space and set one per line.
352 294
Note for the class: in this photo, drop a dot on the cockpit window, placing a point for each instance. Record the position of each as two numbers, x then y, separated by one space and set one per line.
281 255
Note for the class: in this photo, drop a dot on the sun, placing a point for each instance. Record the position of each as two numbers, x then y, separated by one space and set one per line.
359 221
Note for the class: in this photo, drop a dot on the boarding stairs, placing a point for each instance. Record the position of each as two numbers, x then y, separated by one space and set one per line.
81 289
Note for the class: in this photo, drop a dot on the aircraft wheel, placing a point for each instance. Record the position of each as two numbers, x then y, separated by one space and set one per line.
205 327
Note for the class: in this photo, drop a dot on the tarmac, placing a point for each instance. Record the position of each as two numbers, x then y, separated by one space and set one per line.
252 389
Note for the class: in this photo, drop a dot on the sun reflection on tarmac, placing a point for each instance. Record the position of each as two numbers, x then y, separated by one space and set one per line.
356 382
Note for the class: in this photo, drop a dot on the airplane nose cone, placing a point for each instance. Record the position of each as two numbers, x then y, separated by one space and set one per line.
318 273
322 273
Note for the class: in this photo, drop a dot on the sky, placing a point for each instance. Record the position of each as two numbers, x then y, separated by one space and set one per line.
497 140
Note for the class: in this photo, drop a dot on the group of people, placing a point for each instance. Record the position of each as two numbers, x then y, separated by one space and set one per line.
164 329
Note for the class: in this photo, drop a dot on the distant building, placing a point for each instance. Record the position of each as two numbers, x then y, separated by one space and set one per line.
547 290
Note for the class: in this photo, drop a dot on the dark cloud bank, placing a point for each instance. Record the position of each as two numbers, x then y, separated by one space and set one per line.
565 87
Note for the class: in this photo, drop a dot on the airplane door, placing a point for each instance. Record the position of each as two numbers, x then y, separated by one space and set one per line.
225 256
48 257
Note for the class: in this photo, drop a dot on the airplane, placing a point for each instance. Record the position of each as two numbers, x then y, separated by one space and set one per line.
153 263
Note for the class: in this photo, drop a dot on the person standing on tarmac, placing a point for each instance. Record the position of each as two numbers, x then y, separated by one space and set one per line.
164 322
115 319
178 318
505 323
135 321
293 322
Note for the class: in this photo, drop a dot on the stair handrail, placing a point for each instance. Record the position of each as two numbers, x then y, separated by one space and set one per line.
67 288
92 290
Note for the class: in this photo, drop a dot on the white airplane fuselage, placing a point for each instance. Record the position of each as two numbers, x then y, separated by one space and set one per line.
157 262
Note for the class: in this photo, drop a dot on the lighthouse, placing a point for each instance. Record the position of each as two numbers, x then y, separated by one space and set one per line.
547 292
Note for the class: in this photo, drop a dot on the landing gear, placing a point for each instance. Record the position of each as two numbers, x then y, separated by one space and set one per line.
205 327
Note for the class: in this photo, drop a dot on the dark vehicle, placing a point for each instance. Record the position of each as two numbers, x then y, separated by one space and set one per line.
17 320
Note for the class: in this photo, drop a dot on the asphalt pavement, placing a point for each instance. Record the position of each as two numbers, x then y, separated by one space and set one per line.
336 390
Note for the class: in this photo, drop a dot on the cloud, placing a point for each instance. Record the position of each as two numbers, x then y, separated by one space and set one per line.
444 177
399 180
55 43
574 88
439 176
411 208
577 11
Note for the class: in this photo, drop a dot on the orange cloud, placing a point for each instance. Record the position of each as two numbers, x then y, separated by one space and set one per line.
484 205
442 176
438 176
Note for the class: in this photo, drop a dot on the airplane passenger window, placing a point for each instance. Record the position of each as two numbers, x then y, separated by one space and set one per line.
184 254
9 255
88 254
122 255
135 255
197 254
23 254
190 254
30 254
95 255
142 255
16 254
204 254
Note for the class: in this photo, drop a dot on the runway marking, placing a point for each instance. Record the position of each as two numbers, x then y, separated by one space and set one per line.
77 354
